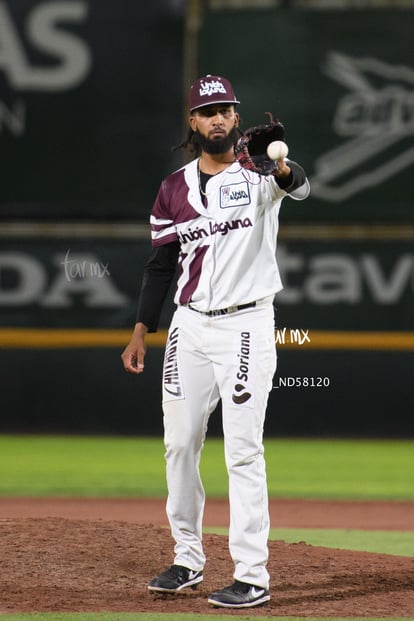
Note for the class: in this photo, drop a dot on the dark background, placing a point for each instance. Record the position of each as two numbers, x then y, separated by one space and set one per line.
82 159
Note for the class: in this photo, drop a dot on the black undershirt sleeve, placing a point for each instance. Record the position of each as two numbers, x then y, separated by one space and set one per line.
159 272
295 179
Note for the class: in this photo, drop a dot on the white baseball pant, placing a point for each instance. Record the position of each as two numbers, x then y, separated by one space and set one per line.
232 357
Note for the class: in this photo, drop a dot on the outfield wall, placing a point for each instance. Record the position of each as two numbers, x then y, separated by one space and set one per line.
91 100
344 333
342 83
85 390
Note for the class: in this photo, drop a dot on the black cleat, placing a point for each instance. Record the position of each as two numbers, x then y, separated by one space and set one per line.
239 595
175 579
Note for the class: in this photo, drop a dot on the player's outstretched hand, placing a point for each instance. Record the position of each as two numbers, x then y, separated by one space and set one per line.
283 169
134 353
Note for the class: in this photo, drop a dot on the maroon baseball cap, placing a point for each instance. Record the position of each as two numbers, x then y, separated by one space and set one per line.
211 89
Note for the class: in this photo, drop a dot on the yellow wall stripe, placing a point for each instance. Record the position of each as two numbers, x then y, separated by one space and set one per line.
361 340
17 338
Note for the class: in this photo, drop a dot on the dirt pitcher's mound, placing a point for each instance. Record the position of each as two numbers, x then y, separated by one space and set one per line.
55 564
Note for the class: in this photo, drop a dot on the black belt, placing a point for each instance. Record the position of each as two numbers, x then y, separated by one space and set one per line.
224 311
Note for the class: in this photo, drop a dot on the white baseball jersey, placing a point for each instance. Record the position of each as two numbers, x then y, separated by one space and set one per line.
227 259
228 245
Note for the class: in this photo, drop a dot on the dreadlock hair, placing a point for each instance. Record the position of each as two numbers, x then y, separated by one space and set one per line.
189 143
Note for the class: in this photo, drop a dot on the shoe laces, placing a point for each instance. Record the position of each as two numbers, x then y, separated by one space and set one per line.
174 571
241 587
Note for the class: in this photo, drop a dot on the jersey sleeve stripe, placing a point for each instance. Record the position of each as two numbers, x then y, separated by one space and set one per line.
162 230
159 222
155 230
161 240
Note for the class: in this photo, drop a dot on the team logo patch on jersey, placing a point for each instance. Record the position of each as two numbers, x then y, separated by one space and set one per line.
171 373
234 195
243 387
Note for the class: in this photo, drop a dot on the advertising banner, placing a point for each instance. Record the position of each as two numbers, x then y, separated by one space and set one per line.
335 281
90 106
90 98
342 83
344 335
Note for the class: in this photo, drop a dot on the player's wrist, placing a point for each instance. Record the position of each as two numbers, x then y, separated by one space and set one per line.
140 329
282 172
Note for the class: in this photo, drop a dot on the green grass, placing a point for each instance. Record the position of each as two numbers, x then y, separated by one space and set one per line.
126 467
377 541
90 466
328 469
400 543
344 469
81 466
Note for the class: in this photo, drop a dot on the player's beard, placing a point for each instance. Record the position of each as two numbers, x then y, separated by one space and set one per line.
217 145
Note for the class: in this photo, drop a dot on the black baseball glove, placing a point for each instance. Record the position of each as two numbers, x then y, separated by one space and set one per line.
250 149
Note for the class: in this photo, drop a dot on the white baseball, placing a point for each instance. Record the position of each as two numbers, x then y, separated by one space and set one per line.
277 150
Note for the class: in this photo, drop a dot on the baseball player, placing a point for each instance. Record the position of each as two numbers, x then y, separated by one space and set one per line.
218 223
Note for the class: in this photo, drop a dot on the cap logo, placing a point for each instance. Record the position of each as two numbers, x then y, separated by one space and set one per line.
208 88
